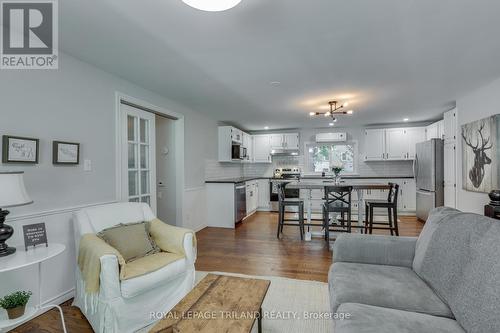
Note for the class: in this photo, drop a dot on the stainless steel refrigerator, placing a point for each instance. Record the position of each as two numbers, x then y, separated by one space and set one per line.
429 176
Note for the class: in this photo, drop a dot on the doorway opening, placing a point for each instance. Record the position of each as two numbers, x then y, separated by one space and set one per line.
150 151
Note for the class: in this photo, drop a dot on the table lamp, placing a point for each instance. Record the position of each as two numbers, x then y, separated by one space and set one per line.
12 194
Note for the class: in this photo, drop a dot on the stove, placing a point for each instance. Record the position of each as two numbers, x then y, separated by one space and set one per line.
289 173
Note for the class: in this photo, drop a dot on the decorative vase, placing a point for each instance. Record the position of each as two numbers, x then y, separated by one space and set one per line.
337 178
494 197
16 312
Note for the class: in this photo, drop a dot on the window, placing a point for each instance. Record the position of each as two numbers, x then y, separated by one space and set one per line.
321 156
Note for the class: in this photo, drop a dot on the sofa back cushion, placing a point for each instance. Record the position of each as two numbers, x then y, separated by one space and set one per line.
457 254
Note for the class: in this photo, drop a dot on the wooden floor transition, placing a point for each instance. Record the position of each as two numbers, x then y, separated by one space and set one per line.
252 248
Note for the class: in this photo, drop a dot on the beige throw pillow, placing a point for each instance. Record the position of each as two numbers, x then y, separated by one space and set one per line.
131 240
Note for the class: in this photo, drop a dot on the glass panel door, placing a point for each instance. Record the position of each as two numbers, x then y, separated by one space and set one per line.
139 150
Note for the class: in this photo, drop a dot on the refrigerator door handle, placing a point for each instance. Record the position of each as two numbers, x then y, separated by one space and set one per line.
415 168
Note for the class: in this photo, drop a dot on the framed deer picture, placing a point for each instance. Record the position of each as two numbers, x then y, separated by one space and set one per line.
480 155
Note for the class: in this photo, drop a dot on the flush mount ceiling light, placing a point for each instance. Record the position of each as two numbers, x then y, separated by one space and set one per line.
335 109
212 5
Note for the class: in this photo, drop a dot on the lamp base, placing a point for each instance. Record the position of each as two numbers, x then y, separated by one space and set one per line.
7 251
6 231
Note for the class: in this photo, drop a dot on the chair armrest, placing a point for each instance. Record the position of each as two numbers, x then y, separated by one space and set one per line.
174 239
378 250
109 277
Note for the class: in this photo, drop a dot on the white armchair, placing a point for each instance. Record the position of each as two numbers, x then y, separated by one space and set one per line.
126 306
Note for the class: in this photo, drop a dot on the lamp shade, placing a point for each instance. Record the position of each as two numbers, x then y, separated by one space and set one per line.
12 190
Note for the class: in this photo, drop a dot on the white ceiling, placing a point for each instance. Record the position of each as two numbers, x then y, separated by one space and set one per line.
392 59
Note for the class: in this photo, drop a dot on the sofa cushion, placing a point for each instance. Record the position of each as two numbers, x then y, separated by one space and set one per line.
457 255
368 319
387 286
139 285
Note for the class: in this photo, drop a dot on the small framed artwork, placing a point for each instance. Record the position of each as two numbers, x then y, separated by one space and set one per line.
19 150
65 152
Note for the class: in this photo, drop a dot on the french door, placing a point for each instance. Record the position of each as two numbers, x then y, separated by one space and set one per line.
138 156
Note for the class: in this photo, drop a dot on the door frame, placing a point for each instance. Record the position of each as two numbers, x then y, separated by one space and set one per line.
179 146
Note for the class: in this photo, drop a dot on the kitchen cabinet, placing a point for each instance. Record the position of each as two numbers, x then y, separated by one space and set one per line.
408 195
263 194
414 135
236 135
285 141
392 143
435 130
252 196
450 126
227 136
450 184
247 142
396 144
374 144
262 148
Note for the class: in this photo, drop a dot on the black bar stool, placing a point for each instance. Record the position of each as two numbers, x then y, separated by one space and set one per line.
391 204
283 203
337 200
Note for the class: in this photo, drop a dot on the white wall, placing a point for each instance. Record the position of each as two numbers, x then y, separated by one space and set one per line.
77 103
478 104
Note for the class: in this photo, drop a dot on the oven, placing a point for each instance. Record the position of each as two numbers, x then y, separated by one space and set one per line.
283 175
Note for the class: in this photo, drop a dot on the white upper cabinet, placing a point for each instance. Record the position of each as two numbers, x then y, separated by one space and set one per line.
414 135
435 130
374 144
247 142
285 141
276 141
236 135
450 126
262 148
396 144
291 140
392 143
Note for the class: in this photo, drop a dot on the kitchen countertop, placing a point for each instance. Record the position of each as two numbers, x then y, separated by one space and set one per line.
246 179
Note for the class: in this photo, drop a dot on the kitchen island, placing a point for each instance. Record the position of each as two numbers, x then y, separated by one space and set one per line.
358 185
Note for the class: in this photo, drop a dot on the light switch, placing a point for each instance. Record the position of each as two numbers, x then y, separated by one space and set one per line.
87 165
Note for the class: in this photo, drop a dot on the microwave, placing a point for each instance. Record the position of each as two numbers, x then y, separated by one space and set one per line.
238 152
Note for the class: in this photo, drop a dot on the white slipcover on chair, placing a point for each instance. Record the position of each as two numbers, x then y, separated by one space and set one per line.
126 306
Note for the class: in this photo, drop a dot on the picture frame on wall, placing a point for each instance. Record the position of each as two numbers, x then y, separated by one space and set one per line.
16 149
65 153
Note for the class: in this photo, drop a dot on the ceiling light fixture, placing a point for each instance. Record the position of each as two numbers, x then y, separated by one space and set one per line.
212 5
331 124
406 119
266 128
335 109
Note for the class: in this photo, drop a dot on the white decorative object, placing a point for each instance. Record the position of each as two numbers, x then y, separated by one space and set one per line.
212 5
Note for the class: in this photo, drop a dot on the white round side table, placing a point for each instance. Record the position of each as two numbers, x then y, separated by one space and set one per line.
23 258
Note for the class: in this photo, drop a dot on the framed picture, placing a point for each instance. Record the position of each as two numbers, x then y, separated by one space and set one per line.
65 152
19 150
480 155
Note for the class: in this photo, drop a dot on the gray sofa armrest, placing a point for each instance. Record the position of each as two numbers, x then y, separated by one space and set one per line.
372 249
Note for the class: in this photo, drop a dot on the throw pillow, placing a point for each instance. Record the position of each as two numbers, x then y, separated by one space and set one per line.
131 240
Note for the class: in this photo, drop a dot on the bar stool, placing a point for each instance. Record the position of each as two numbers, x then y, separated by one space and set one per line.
391 204
283 203
337 200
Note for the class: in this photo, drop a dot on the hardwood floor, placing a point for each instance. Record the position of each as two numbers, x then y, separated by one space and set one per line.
252 248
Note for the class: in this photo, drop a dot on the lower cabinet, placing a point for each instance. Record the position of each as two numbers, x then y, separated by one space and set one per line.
263 202
252 192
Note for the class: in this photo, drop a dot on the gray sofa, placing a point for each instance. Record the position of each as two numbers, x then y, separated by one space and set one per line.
447 280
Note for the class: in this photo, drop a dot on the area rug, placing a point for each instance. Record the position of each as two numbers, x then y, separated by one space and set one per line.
290 306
